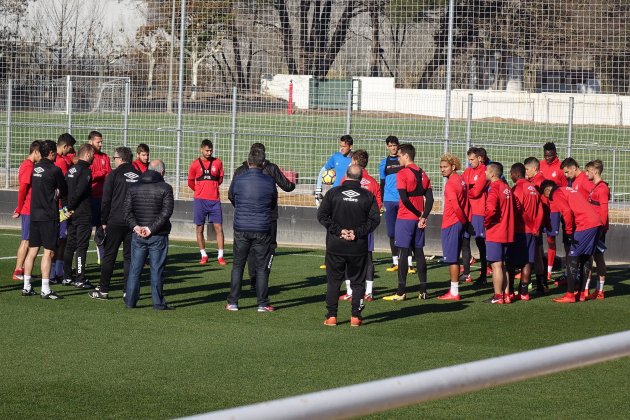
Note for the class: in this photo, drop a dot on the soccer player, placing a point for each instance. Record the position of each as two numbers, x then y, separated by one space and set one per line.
100 167
576 178
388 169
142 158
360 158
48 185
598 197
453 220
582 226
536 178
339 161
550 168
205 175
499 224
65 144
23 209
528 218
79 180
416 202
477 190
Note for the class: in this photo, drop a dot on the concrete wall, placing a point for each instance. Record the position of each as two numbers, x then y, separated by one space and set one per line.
381 94
298 226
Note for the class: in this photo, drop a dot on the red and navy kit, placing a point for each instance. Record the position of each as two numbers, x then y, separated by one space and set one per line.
578 215
499 214
407 179
599 197
140 166
100 168
62 163
553 172
204 178
528 213
582 184
25 173
477 185
455 201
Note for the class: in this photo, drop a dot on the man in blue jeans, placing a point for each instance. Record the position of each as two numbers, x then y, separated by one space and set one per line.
254 196
148 208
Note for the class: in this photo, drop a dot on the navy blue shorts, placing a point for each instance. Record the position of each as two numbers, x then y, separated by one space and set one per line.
478 228
26 226
391 212
495 251
522 251
584 242
555 224
63 229
408 234
452 238
370 241
207 209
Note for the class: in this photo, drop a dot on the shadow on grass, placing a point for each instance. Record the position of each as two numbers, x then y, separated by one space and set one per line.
408 311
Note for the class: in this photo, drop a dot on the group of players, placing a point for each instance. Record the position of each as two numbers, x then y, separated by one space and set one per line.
508 223
65 193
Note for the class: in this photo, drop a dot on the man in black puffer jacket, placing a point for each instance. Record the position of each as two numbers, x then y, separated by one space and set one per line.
285 185
113 220
254 197
148 209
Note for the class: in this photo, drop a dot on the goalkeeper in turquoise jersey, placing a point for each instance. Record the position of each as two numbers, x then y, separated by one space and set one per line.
339 161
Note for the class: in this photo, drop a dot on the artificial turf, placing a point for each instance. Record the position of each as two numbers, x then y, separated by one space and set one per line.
82 358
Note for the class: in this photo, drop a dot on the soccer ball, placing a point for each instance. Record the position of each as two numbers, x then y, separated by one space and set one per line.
328 177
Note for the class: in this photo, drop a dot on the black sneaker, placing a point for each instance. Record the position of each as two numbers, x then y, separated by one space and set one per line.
30 292
52 296
56 280
67 282
481 282
97 294
83 284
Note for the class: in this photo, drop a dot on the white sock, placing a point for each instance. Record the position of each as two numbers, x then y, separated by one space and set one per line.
59 265
588 282
454 288
45 286
348 289
410 261
394 259
203 253
27 282
549 268
220 254
369 285
601 285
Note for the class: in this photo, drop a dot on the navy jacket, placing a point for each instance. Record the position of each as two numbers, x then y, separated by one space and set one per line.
254 197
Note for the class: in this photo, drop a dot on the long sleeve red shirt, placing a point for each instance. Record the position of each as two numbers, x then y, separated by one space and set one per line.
499 214
528 212
100 167
582 185
577 213
553 172
599 197
24 193
455 201
477 189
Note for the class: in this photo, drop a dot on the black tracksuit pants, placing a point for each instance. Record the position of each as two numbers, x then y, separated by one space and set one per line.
338 268
77 243
251 258
116 235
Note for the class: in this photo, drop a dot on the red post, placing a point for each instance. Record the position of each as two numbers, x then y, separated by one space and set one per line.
290 104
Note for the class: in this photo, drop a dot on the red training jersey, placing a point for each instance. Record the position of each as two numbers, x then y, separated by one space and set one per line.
455 201
371 185
406 180
582 185
477 186
553 172
499 214
62 163
69 158
100 167
204 178
25 172
599 197
528 212
140 166
577 214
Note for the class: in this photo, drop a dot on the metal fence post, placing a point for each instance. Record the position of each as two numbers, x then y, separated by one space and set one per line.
570 138
7 157
180 100
126 115
348 111
469 121
69 102
233 133
449 68
612 181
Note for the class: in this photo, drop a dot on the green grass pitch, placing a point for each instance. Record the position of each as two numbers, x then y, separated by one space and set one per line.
81 358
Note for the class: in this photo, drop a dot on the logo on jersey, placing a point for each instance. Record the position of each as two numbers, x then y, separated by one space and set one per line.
350 196
38 171
475 177
131 177
71 172
364 183
553 174
507 192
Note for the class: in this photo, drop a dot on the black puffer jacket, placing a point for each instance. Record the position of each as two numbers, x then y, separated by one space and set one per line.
150 203
79 180
114 192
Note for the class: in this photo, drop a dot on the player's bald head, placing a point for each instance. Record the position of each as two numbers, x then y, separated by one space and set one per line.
354 172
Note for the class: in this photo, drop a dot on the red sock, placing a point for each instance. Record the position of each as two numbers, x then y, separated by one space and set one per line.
551 250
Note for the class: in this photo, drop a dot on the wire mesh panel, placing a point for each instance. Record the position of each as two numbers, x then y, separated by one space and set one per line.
306 72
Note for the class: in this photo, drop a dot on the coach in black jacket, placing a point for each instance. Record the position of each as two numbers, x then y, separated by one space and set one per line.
148 209
285 185
349 213
113 219
79 180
